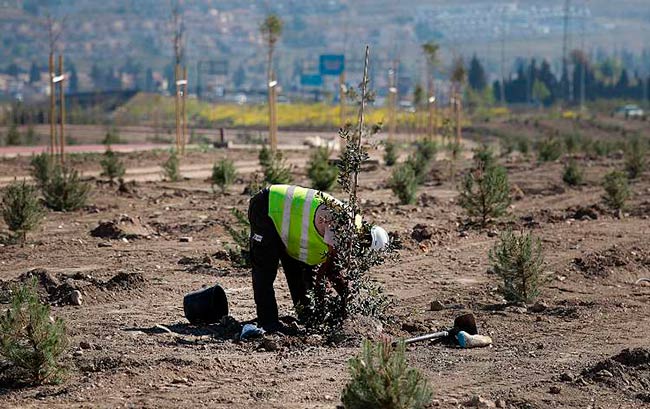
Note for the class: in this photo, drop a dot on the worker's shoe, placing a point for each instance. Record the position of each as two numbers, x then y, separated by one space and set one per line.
280 328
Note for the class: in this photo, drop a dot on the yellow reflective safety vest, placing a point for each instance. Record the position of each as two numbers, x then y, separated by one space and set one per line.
293 210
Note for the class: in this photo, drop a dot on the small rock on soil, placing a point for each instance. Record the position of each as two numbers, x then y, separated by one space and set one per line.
538 307
480 402
437 306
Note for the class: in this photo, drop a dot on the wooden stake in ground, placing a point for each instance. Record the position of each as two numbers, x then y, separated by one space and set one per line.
392 102
273 120
458 77
62 112
362 107
458 118
342 92
271 29
177 106
184 111
431 50
431 120
179 49
52 107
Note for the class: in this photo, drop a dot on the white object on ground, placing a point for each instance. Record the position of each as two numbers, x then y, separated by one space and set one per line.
466 340
380 238
251 331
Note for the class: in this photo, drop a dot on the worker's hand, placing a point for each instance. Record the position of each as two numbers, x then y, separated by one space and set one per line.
340 284
327 271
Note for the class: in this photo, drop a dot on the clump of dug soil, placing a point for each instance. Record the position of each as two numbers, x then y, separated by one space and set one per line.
125 281
627 371
123 227
58 289
602 263
51 289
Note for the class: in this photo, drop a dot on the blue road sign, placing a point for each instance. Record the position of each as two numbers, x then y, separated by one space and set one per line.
332 64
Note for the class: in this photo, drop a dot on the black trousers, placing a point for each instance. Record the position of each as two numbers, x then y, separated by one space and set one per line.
267 250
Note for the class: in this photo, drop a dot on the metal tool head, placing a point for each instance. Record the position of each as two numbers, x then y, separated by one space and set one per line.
466 323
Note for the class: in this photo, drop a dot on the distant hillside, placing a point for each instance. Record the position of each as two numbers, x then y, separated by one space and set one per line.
136 33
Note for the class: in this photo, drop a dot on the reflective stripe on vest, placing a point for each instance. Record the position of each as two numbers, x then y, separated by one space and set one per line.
292 209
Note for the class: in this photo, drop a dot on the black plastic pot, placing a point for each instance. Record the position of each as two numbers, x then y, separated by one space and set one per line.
206 306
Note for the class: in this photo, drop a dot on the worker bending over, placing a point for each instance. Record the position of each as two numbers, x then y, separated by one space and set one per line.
293 225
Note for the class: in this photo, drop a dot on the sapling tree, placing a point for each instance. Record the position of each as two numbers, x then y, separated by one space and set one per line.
635 157
171 167
420 161
112 136
518 261
352 257
572 141
65 191
523 145
321 172
390 153
41 168
240 234
13 135
617 189
112 167
30 136
549 150
275 169
21 209
381 378
223 174
484 156
572 175
485 193
404 183
30 340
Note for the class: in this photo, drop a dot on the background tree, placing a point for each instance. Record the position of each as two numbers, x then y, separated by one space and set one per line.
476 75
13 136
34 73
430 50
239 77
149 85
73 84
271 29
540 92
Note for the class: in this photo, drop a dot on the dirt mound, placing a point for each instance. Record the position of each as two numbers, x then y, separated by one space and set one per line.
584 212
51 289
125 281
57 289
627 371
603 263
641 210
123 227
421 232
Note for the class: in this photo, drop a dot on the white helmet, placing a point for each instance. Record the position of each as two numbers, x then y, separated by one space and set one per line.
380 238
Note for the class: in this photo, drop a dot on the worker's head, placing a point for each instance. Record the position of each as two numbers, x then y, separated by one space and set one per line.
322 219
379 239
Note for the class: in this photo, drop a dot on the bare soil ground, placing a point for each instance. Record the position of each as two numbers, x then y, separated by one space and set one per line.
122 355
